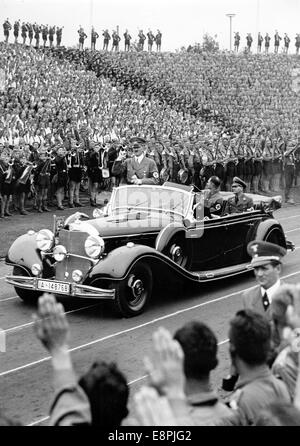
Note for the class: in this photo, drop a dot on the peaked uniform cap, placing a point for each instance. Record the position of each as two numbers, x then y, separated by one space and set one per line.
239 182
263 253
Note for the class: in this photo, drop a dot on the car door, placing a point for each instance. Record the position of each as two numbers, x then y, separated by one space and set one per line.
208 241
238 230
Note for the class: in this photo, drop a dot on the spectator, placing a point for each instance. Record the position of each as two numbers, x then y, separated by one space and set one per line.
100 396
286 301
199 346
249 346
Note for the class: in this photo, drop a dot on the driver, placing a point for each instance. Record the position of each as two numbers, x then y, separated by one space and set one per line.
139 169
213 201
240 202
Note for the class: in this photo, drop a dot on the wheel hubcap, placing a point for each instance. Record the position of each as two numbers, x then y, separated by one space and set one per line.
137 287
176 253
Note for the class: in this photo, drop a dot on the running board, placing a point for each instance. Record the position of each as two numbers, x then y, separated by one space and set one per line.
221 273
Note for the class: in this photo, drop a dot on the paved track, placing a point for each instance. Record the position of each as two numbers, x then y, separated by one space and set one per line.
25 372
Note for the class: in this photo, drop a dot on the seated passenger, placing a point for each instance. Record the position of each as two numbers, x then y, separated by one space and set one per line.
240 202
213 201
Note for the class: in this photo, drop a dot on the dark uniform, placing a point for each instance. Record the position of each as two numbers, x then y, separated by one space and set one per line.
238 203
127 38
158 40
141 41
106 40
214 203
16 30
150 40
259 42
94 37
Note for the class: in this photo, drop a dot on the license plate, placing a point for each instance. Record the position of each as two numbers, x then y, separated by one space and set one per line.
54 287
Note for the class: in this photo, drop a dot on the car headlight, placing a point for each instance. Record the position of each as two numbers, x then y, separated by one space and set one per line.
59 253
77 275
36 269
45 240
94 246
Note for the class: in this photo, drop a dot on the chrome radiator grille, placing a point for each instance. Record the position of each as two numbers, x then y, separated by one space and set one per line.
73 241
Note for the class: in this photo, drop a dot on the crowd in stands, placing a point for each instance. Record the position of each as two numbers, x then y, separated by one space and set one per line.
198 112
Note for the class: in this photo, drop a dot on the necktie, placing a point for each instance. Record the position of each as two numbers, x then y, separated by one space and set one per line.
236 199
265 301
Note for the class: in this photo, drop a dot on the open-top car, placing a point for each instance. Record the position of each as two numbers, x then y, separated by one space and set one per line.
145 234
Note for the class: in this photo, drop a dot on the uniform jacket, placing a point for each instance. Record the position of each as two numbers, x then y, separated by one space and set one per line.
252 300
214 203
244 203
145 171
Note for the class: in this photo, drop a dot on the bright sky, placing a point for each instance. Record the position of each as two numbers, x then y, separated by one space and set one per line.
182 22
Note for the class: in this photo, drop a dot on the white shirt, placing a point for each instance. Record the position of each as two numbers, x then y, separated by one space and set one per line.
139 159
271 291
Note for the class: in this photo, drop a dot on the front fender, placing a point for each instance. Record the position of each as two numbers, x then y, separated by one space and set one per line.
24 251
167 233
117 263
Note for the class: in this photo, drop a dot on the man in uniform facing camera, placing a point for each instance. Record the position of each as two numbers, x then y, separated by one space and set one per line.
138 169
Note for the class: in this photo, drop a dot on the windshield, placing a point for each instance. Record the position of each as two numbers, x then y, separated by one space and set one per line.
151 197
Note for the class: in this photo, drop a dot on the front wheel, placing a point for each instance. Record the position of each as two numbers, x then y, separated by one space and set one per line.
28 296
133 293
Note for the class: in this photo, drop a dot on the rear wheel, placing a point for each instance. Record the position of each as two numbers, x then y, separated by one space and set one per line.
133 293
274 236
27 296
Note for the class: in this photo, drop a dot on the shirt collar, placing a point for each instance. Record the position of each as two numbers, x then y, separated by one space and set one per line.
139 158
271 291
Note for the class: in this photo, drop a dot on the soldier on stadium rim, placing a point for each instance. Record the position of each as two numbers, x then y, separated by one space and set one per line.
267 43
51 35
37 31
260 40
297 43
6 28
151 39
141 41
115 41
58 35
286 43
158 40
127 38
277 39
82 37
16 30
249 40
30 32
94 37
237 39
45 33
106 39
